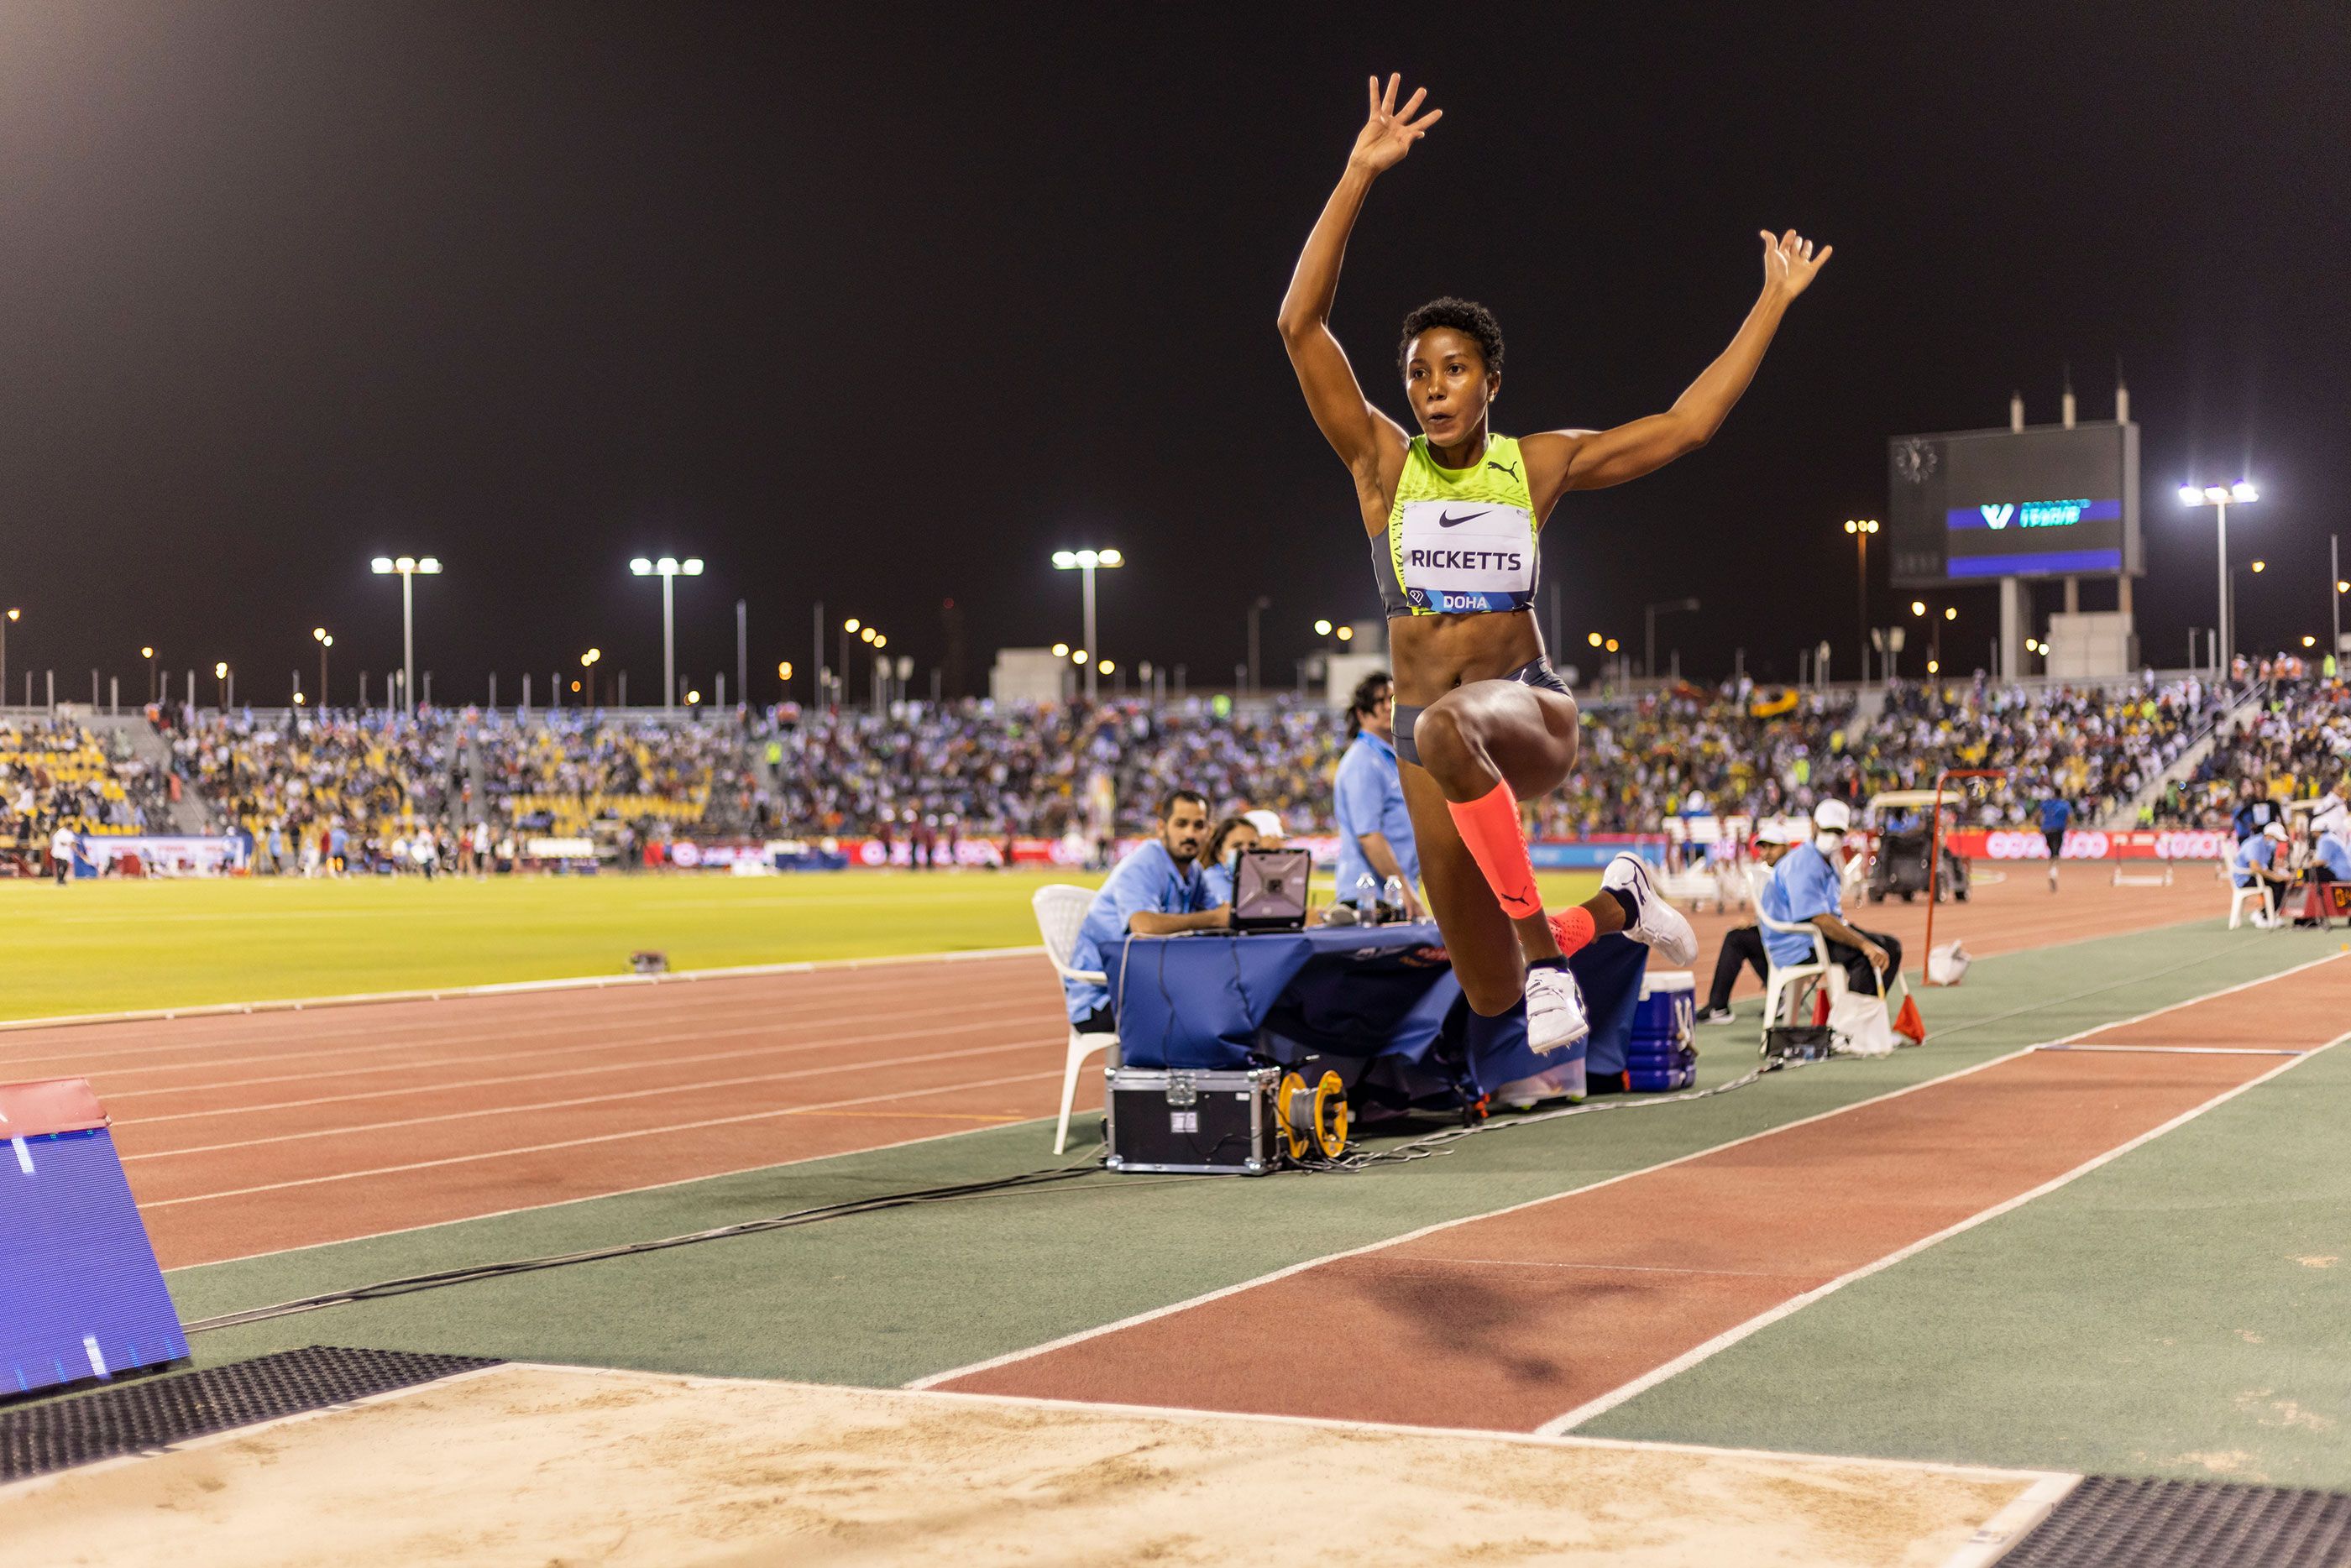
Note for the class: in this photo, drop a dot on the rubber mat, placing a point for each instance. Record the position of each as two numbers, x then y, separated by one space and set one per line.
162 1411
2105 1522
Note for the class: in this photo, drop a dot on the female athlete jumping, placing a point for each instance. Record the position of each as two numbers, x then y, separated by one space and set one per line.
1481 721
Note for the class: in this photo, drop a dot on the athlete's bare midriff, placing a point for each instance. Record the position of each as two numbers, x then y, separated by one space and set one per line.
1436 653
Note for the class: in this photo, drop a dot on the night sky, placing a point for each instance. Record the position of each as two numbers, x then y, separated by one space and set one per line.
880 310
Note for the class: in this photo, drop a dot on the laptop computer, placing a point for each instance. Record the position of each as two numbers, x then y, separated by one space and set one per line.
1271 889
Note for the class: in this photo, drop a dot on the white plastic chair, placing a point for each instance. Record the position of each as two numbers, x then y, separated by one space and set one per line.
2259 894
1786 983
1060 910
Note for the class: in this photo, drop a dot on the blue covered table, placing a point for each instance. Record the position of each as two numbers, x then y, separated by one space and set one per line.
1383 995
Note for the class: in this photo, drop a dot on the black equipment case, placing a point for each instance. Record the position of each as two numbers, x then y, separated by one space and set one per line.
1220 1123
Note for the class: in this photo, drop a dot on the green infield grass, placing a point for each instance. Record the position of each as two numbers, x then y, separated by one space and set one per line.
122 946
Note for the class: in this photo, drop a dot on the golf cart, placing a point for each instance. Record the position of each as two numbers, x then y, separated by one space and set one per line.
1900 823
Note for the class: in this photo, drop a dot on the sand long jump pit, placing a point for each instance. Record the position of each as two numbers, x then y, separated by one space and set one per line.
546 1465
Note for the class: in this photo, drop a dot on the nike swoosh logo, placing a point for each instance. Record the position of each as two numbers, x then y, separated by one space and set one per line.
1447 522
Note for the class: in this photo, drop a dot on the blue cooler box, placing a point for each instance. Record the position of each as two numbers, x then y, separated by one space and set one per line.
1659 1058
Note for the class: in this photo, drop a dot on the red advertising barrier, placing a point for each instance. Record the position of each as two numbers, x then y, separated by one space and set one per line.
2090 844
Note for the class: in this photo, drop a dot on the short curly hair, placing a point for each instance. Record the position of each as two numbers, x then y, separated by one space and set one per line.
1465 316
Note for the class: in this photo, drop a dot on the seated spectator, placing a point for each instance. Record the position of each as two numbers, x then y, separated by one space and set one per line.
1153 892
1232 835
1742 945
2260 864
2330 857
1805 889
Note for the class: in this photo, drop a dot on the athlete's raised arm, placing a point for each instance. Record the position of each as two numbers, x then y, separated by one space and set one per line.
1560 461
1357 430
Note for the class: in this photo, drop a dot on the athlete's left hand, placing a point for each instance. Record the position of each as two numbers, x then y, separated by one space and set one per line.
1788 263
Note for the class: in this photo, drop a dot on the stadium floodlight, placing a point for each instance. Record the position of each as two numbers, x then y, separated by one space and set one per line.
1918 607
1346 634
2219 498
1321 629
866 634
325 640
1950 612
669 568
1106 666
1594 640
1084 562
2260 565
408 566
1861 528
1061 651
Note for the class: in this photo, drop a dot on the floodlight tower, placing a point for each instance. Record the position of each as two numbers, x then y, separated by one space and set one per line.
408 566
1083 563
2219 498
669 569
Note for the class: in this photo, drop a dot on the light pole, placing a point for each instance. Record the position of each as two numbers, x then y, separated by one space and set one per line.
668 568
4 624
2334 570
588 673
319 635
220 673
1861 528
1649 621
1083 563
146 653
841 670
1263 605
2220 497
408 567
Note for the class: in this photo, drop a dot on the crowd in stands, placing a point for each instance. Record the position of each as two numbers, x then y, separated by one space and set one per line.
393 789
937 771
59 774
1770 753
2296 745
1048 771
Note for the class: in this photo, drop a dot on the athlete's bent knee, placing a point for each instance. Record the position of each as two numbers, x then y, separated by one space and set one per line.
1491 999
1452 751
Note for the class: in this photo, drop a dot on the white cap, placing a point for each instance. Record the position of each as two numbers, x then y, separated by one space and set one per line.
1774 832
1267 822
2274 830
1696 801
1832 816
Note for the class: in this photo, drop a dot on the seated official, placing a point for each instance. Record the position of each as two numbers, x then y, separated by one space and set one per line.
1742 945
1805 889
2330 857
1232 835
1155 891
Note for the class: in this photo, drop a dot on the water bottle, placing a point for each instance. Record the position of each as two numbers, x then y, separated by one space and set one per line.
1368 900
1392 896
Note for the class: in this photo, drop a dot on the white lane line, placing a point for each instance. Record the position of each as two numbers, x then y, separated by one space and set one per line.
797 1028
1082 1335
663 1131
1764 1320
829 1069
517 988
2183 1050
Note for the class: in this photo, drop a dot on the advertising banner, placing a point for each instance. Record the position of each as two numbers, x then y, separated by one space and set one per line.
2090 844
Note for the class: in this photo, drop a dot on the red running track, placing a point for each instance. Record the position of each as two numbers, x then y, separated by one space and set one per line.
250 1133
1539 1315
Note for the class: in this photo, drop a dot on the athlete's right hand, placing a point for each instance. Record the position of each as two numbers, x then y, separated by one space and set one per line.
1388 134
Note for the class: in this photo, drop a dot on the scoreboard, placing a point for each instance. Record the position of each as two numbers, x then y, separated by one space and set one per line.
2049 501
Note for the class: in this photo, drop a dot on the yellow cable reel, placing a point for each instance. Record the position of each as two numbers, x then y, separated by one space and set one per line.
1315 1118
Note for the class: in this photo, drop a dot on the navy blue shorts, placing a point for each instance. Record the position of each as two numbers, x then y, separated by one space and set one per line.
1535 672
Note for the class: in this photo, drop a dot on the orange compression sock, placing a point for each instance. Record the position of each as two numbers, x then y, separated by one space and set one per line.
1489 827
1573 930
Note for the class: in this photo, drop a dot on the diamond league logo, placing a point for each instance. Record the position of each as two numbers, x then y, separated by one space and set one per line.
1916 460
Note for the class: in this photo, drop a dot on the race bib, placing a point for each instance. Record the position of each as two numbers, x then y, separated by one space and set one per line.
1465 556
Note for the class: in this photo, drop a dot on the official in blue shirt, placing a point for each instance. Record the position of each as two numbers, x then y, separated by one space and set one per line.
2257 859
2330 858
1805 889
1155 891
1374 829
2057 813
